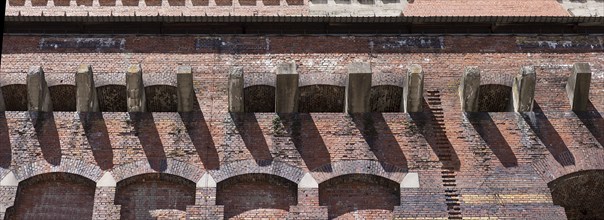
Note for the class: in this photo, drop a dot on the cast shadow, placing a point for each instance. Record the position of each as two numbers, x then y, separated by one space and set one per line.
146 131
486 128
307 139
6 154
251 133
380 139
593 121
48 136
434 132
201 136
548 135
98 138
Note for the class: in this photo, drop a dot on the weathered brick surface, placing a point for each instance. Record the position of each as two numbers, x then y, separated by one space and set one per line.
504 157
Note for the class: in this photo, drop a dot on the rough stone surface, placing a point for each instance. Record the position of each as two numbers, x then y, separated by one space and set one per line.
236 97
414 89
358 88
577 87
469 89
86 91
186 92
38 95
135 89
523 89
287 92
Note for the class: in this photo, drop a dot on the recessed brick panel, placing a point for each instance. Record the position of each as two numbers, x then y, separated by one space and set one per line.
16 2
61 2
161 98
63 98
259 98
257 196
145 196
54 196
580 194
84 2
15 97
494 98
112 98
359 196
386 98
321 98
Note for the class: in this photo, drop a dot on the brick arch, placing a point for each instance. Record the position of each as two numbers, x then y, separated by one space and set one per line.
161 98
159 79
147 195
173 167
487 78
257 196
322 79
259 79
53 195
587 159
369 167
580 193
56 79
106 79
495 98
15 97
387 79
242 167
67 165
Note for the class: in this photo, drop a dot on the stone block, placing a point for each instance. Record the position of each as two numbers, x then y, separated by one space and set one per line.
236 101
135 88
358 88
287 92
86 97
38 95
523 89
469 89
577 87
413 90
185 91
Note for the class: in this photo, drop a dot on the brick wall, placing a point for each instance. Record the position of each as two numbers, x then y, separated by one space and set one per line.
499 161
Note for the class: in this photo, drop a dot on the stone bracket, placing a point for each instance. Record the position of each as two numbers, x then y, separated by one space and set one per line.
523 89
413 90
287 92
236 100
577 87
86 97
135 89
469 89
38 95
185 91
358 88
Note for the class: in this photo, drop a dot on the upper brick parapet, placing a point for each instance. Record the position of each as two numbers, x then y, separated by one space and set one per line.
485 8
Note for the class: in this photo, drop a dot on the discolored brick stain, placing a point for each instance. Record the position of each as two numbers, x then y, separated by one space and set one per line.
321 98
130 2
161 98
256 196
107 2
580 194
112 98
200 2
386 98
61 2
494 98
259 98
63 98
140 195
153 2
39 2
53 196
176 2
359 196
84 2
15 97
